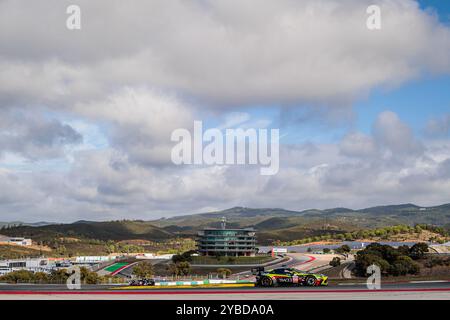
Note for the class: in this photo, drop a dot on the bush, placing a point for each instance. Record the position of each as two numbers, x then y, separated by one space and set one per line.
403 250
434 261
335 262
224 272
418 250
343 249
391 261
143 270
404 265
364 260
59 276
231 260
182 268
18 276
41 277
91 278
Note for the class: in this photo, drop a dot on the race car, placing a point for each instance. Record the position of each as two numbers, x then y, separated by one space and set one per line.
288 276
142 282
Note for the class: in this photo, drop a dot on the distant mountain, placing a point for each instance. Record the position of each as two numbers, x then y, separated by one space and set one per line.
236 216
381 210
338 218
20 223
10 223
271 223
109 230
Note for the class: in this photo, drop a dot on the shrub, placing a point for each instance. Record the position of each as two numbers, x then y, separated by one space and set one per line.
143 270
390 260
404 265
418 250
18 276
224 272
336 261
231 260
366 259
182 268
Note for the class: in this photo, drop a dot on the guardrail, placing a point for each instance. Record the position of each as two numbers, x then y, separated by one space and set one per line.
202 282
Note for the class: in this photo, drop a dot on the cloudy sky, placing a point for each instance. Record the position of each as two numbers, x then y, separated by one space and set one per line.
86 115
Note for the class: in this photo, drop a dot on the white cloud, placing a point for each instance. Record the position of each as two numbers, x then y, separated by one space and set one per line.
395 136
219 51
140 70
141 121
438 127
106 184
34 137
358 144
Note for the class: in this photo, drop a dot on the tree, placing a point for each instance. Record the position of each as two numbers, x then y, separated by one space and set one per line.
362 261
59 276
41 277
18 276
182 268
404 265
173 269
343 249
418 250
403 250
186 256
224 272
177 258
335 262
89 277
143 270
392 261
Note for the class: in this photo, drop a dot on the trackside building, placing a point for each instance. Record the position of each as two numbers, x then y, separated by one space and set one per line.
226 242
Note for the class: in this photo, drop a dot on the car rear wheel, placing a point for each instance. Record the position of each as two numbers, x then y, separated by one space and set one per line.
310 281
266 282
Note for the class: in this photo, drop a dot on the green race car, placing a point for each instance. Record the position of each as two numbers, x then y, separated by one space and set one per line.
288 276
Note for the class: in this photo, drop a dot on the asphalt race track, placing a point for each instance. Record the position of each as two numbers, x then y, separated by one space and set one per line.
398 291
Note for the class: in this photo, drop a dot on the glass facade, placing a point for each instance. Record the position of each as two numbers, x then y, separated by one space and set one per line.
227 242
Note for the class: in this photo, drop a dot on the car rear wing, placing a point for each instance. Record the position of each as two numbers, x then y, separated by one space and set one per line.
257 270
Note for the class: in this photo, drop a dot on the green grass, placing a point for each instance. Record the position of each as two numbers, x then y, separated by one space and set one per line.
116 266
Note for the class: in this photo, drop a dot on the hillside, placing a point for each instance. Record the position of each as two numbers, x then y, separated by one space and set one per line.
272 219
109 230
20 223
16 252
271 223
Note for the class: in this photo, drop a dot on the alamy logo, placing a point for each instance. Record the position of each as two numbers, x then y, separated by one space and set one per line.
73 282
373 22
73 22
374 280
236 147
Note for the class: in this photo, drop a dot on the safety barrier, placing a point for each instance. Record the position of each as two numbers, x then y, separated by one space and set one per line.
200 282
